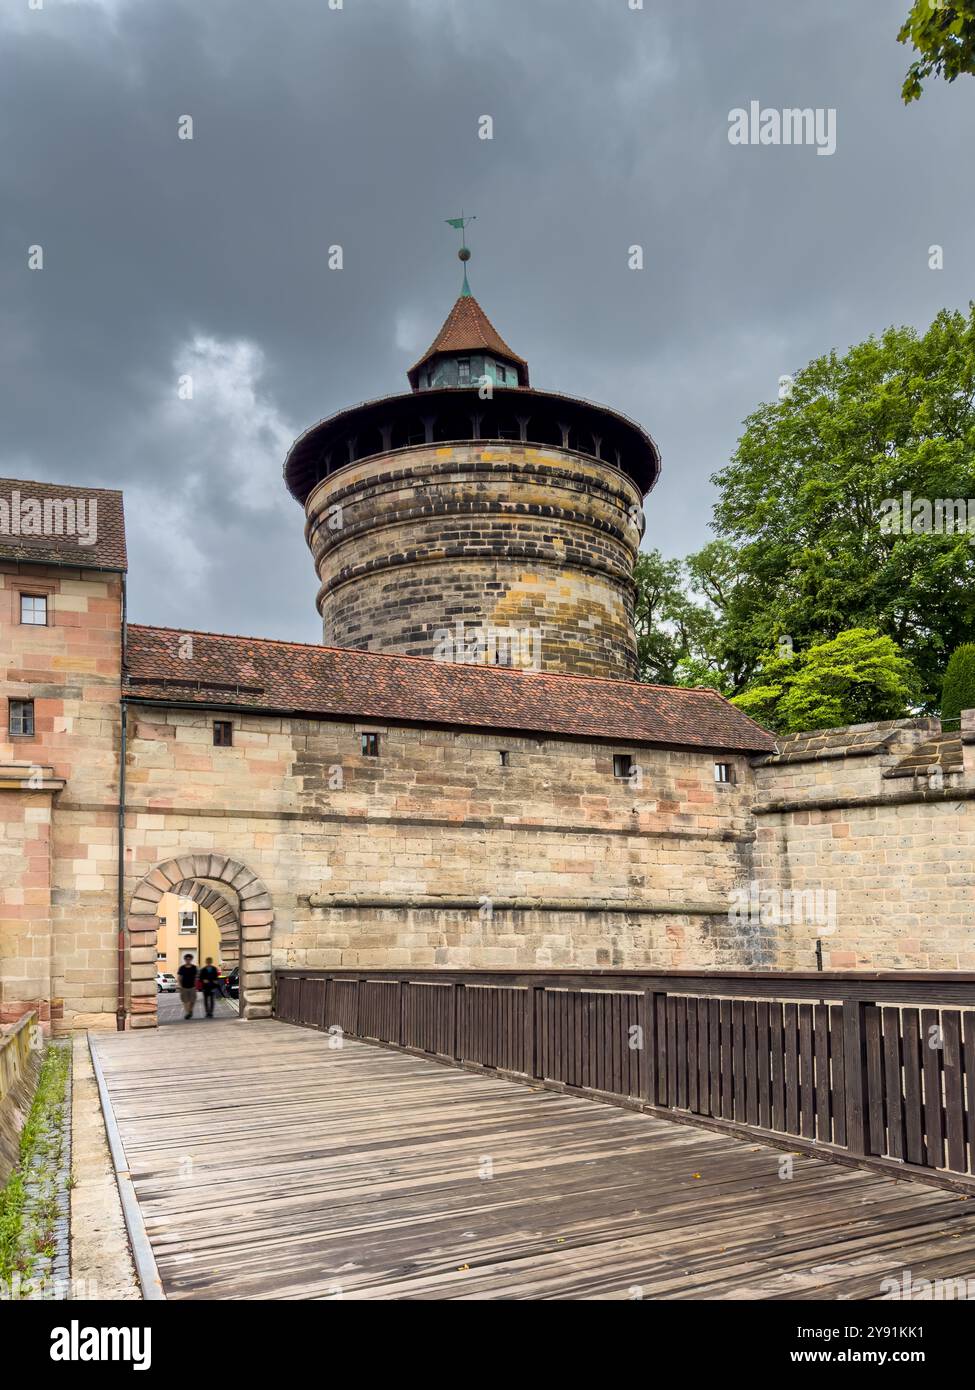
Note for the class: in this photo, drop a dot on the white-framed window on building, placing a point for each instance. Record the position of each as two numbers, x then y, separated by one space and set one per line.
33 610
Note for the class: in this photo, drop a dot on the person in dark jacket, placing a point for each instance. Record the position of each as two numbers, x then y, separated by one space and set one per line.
209 978
187 985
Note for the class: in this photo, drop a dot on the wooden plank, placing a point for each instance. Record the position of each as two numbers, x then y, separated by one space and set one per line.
893 1082
824 1095
807 1065
969 1032
357 1172
931 1048
682 1089
714 1065
693 1071
790 1015
672 1052
738 1057
663 1064
764 1044
777 1026
703 1059
751 1061
837 1067
954 1091
727 1061
915 1149
876 1113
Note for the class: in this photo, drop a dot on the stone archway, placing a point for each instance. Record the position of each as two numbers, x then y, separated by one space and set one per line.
231 882
220 908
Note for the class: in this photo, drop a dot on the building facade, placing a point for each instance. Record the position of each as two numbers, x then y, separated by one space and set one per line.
466 772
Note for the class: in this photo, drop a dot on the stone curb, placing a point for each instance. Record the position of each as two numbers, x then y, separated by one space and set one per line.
142 1256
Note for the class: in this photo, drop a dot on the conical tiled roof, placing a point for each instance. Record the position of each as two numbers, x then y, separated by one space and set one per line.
467 328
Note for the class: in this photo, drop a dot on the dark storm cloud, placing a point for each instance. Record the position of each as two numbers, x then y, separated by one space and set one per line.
314 127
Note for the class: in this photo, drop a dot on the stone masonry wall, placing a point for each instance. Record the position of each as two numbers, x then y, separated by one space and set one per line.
382 861
496 534
881 819
58 937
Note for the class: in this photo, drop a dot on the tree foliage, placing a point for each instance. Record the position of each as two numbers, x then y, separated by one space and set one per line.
847 505
803 498
942 32
857 676
958 691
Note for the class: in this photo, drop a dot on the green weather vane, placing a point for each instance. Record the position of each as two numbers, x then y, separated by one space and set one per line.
464 253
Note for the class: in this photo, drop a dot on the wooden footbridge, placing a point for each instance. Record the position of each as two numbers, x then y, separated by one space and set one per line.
269 1160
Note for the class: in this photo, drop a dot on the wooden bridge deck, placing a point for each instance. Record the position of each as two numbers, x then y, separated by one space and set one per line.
268 1165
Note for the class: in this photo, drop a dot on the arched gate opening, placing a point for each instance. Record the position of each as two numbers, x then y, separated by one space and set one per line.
242 907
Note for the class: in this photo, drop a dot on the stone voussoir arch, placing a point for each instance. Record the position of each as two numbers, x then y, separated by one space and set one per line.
256 920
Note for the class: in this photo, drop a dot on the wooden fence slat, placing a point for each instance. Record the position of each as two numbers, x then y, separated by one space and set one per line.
893 1082
824 1095
807 1063
727 1061
790 1014
913 1087
876 1116
954 1090
931 1066
751 1062
777 1025
764 1065
714 1044
970 1086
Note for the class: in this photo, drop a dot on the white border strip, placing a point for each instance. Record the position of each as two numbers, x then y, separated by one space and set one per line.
145 1260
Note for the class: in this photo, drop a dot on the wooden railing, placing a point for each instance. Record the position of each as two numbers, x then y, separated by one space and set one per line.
874 1068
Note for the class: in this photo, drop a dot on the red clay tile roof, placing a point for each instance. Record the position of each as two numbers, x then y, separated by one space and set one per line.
256 673
467 328
57 502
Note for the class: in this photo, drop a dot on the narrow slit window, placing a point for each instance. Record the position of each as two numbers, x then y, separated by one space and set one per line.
223 733
502 757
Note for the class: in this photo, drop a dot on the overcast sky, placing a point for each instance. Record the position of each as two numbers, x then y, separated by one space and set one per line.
359 126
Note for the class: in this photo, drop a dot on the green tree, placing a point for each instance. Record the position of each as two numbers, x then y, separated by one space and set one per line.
943 33
857 676
678 626
958 691
802 507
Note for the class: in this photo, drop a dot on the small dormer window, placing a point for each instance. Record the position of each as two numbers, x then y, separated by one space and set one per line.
463 370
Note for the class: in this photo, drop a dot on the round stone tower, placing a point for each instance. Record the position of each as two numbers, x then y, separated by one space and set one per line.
475 518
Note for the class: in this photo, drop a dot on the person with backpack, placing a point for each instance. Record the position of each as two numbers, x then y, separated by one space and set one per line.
209 983
187 973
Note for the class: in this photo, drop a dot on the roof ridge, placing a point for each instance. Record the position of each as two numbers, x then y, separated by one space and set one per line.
76 487
431 661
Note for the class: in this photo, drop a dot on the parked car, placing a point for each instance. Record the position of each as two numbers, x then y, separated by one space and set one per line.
165 983
231 984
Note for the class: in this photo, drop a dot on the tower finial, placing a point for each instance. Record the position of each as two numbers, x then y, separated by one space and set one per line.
463 254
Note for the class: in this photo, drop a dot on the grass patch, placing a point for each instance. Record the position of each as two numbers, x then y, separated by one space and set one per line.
41 1148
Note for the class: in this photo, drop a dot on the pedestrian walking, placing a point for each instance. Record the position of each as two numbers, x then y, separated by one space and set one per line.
187 973
210 980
